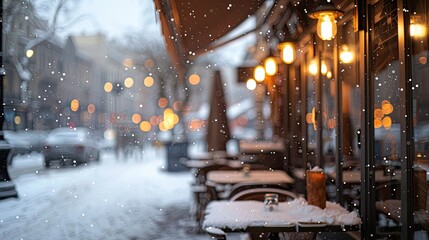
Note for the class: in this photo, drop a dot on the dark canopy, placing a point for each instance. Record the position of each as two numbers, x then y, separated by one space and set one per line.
190 27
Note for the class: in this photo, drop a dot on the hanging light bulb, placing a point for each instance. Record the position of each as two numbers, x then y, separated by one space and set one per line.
259 73
326 14
251 84
287 52
270 66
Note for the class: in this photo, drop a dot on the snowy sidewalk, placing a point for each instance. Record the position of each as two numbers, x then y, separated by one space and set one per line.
110 200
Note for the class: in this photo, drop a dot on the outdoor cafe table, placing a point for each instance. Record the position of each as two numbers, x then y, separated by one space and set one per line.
292 216
223 177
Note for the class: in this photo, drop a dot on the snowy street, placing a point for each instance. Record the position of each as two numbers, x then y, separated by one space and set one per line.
132 199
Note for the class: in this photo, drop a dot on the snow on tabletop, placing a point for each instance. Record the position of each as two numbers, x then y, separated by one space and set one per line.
242 214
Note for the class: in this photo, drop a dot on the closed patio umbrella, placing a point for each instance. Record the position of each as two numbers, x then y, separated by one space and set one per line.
218 129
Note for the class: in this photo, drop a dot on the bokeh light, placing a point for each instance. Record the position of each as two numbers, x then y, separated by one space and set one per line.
148 81
145 126
194 79
74 105
128 82
162 102
91 108
108 87
136 118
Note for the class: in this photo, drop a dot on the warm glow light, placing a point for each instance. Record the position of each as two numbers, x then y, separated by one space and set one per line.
194 79
136 118
195 124
162 102
313 115
387 122
251 84
17 120
378 123
329 74
326 13
145 126
346 55
418 28
162 127
74 105
259 74
387 108
170 119
149 63
378 113
154 120
29 53
91 108
327 26
128 82
287 52
148 81
324 68
168 111
313 69
177 105
270 66
108 87
309 118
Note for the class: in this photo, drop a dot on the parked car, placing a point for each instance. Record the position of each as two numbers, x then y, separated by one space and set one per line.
70 146
24 142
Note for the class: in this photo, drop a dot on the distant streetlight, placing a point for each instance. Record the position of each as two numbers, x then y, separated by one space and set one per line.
29 53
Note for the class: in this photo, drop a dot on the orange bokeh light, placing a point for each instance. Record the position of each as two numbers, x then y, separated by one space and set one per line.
74 105
162 102
378 113
145 126
91 108
136 118
378 123
387 122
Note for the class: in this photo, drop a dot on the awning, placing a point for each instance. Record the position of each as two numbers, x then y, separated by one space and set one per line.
192 27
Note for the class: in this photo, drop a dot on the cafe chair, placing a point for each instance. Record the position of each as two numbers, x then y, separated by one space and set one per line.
239 187
203 194
258 194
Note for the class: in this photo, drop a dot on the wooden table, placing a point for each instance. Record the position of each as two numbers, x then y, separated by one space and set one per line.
257 176
293 216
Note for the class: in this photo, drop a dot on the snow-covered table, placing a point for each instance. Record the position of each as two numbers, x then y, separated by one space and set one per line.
296 215
256 176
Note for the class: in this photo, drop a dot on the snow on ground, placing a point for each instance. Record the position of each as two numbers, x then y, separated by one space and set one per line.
110 200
